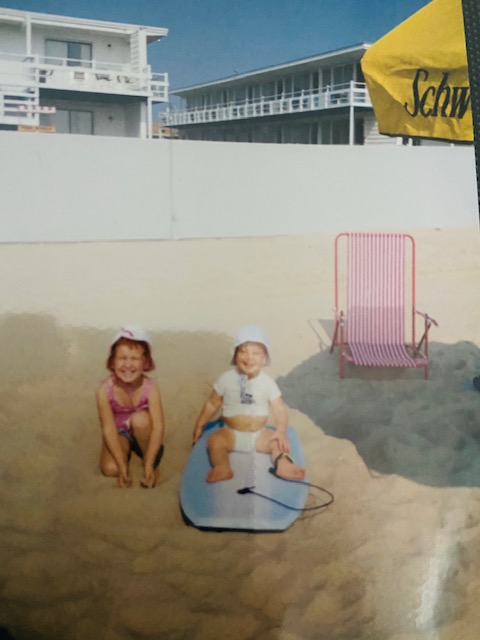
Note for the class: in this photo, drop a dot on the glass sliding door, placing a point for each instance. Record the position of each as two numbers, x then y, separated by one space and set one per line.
74 121
81 122
62 121
79 54
75 54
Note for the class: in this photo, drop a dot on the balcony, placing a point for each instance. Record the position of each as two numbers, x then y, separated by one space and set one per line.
37 72
353 94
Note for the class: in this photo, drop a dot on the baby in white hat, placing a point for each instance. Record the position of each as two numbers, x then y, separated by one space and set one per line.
130 409
247 395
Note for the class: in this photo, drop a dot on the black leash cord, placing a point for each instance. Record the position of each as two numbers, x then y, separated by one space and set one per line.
246 490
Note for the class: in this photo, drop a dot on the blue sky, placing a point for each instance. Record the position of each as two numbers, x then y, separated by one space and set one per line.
211 39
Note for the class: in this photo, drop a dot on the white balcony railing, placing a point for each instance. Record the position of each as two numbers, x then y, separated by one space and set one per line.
18 107
81 75
351 94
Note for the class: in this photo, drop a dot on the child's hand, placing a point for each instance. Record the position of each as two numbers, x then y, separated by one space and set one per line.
123 479
149 479
282 439
197 432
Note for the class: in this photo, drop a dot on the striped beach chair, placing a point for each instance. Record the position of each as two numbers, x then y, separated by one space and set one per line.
375 302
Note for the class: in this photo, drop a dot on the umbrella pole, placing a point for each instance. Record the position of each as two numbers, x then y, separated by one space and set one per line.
471 19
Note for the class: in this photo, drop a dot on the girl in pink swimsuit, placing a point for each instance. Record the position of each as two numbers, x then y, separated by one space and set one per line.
130 409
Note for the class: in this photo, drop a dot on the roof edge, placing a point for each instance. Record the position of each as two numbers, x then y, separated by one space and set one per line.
86 22
362 46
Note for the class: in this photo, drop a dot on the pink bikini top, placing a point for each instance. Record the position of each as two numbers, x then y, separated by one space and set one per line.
121 412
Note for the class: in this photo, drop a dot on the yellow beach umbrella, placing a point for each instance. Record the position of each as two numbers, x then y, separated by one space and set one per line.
417 76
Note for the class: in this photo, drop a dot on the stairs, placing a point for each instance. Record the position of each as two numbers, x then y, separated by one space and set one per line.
19 105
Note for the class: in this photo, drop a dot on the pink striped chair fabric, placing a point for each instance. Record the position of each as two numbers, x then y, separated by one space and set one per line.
372 331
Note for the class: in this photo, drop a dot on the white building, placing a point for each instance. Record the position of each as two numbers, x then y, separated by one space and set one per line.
70 75
322 99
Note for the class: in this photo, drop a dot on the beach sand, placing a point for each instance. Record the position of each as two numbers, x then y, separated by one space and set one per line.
395 557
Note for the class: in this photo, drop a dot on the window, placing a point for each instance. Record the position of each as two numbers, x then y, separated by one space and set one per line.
301 83
326 132
340 132
74 121
253 92
359 77
288 85
77 54
359 131
326 78
342 75
297 134
334 132
268 90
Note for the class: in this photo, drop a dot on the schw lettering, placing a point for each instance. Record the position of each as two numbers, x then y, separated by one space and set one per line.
448 101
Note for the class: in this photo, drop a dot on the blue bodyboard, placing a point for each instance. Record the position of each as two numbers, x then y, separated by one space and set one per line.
219 506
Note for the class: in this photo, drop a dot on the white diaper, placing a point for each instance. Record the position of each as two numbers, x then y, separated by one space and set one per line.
245 441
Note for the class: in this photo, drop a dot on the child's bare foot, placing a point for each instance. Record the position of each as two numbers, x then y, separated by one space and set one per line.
219 473
286 468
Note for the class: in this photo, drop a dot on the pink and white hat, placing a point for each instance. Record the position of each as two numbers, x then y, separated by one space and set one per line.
251 333
133 332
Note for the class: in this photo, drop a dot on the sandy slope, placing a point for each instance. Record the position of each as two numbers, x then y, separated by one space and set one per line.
396 556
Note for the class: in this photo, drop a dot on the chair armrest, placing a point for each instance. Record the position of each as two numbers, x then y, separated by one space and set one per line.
428 320
424 339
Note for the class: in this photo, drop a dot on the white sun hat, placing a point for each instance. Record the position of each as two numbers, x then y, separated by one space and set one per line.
133 332
251 333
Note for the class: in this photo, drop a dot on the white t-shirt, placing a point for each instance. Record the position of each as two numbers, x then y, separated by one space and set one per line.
243 396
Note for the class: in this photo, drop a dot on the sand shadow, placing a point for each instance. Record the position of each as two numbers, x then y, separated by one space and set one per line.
64 525
427 431
50 374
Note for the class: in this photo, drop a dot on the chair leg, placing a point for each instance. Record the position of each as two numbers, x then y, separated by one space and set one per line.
341 351
334 339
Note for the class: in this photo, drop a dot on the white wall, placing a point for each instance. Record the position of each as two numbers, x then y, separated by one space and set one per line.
57 188
73 188
12 38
